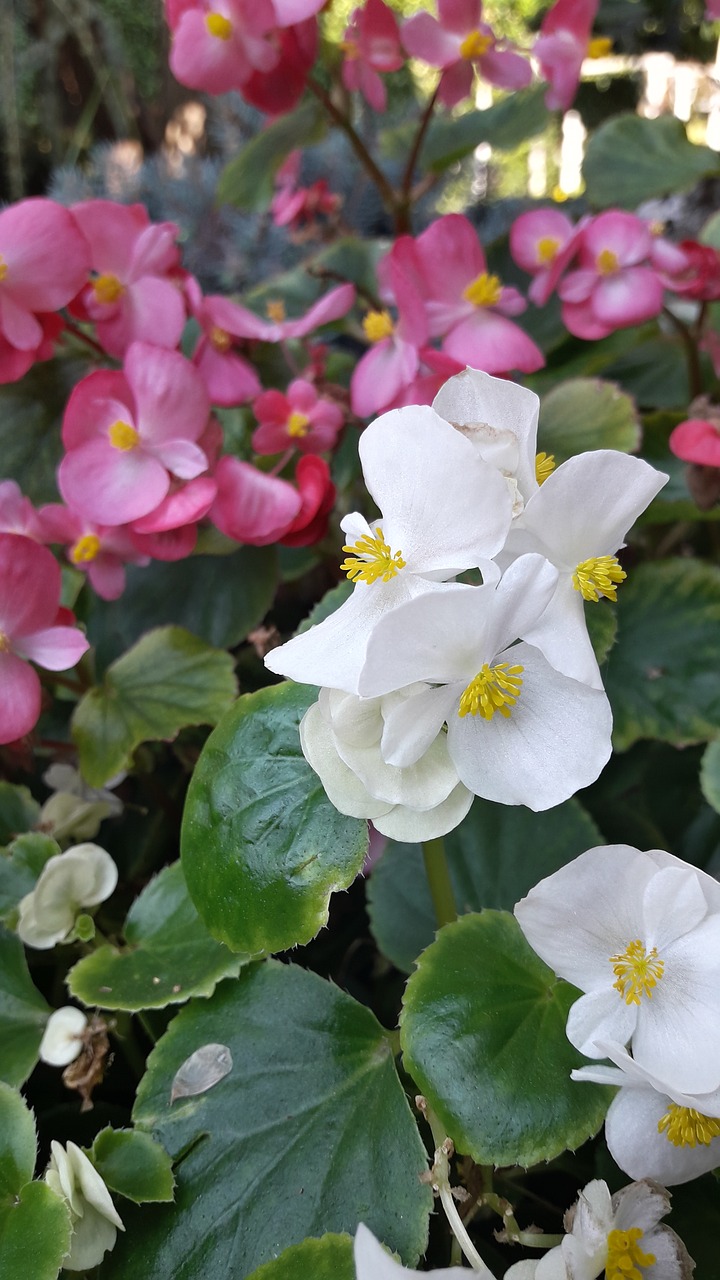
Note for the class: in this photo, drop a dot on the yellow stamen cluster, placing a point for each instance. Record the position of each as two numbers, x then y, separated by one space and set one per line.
219 26
607 262
544 466
599 47
637 972
371 558
625 1255
685 1127
378 325
108 289
3 268
4 643
493 689
484 291
220 339
598 576
122 436
475 45
298 425
85 549
547 248
275 310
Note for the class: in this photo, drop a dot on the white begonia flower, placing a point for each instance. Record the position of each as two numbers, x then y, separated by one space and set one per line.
444 510
76 809
639 933
652 1130
372 1262
341 737
82 876
519 732
63 1038
94 1218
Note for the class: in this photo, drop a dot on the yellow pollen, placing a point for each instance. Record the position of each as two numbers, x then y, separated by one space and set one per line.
220 339
625 1255
544 466
298 425
4 643
493 689
656 227
350 48
483 291
547 249
685 1127
3 268
276 311
218 25
607 262
598 576
85 549
637 972
123 436
599 47
373 559
107 289
475 45
378 325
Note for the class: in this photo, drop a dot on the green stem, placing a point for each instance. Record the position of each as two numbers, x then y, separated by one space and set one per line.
438 874
405 203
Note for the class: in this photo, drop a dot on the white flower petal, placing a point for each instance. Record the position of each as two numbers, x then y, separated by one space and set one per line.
63 1036
372 1262
561 634
641 1204
672 905
474 399
600 1015
342 787
412 724
92 1236
92 1187
413 825
642 1151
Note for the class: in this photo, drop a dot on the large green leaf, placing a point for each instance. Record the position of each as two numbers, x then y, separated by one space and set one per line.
483 1035
169 679
247 181
34 1222
310 1132
168 957
495 856
663 679
630 159
330 1258
132 1164
18 811
587 413
262 846
23 1012
505 126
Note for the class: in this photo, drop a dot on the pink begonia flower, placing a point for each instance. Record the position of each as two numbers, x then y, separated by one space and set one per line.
543 242
15 363
317 496
697 440
131 297
217 44
614 286
392 362
435 369
280 89
371 46
170 531
459 41
128 433
712 10
296 206
300 419
30 584
167 544
699 275
250 506
99 551
17 513
562 46
229 320
229 378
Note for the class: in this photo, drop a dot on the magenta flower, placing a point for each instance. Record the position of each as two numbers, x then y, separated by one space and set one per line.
712 10
17 513
563 44
317 497
697 440
371 46
128 433
543 242
459 42
97 550
300 419
250 506
297 206
29 604
229 378
279 90
615 286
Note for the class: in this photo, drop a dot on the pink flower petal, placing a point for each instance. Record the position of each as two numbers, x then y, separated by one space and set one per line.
95 403
580 320
229 379
424 38
250 506
697 440
625 235
150 310
29 585
170 394
111 230
55 648
460 16
107 577
19 325
182 458
184 506
112 486
332 306
170 544
630 297
505 69
381 374
20 698
456 83
489 342
47 257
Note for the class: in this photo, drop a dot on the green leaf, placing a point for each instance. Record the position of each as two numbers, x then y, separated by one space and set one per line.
23 1012
653 372
710 775
505 126
169 955
18 811
601 623
584 414
247 181
310 1132
496 855
169 679
630 159
30 416
483 1035
132 1164
330 1258
663 680
18 1143
34 1222
20 867
262 846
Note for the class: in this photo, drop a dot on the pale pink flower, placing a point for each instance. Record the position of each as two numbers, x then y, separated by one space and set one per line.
251 506
17 513
458 42
371 47
300 419
99 551
230 379
217 44
393 361
614 286
223 321
543 242
561 48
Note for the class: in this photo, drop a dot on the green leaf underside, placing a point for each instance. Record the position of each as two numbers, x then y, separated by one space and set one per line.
168 680
585 414
262 846
23 1012
630 159
133 1165
169 957
483 1035
330 1258
309 1133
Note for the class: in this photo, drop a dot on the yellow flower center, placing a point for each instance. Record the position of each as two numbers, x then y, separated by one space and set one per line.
547 249
685 1127
544 466
637 972
493 689
218 25
4 643
220 339
372 559
607 262
298 425
123 436
484 290
625 1255
107 289
3 268
85 549
598 576
378 325
656 227
275 310
599 47
475 45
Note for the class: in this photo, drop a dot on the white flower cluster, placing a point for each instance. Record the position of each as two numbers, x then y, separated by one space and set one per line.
434 691
639 934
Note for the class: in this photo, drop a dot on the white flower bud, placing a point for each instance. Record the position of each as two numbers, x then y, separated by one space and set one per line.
63 1038
94 1218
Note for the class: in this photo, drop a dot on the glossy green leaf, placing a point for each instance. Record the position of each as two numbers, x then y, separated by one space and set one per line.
18 1143
168 957
247 181
630 159
23 1012
505 126
310 1132
585 414
663 680
262 846
132 1164
18 811
20 867
483 1035
169 679
329 1258
710 775
496 855
34 1222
